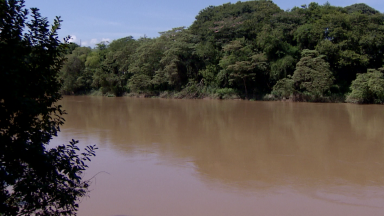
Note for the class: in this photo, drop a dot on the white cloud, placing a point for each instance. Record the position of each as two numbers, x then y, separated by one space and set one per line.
118 35
93 41
88 43
85 43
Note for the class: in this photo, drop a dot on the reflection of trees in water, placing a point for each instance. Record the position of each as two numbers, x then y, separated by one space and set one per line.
243 143
367 121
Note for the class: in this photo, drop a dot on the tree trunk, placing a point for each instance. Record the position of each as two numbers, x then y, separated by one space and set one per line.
245 88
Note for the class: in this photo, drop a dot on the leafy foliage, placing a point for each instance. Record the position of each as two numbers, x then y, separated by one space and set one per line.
312 73
34 179
362 8
284 88
246 46
368 87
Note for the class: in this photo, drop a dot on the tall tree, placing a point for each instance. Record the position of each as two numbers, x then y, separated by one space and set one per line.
241 63
34 179
312 73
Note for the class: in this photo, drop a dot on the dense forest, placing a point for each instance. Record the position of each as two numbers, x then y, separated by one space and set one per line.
251 50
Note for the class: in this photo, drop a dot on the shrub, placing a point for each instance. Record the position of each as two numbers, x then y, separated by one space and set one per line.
368 87
283 88
312 73
227 93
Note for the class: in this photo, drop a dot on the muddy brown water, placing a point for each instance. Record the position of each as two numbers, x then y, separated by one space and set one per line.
161 157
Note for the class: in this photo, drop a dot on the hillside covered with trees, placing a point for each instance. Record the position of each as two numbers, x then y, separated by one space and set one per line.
252 50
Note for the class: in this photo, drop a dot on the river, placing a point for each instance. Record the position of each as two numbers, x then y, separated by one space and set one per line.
160 157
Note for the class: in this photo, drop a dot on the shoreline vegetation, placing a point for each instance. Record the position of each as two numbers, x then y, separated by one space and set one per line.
219 96
246 50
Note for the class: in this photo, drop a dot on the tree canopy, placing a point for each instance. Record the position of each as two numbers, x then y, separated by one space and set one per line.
247 47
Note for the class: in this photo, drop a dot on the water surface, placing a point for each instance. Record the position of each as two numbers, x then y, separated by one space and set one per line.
161 157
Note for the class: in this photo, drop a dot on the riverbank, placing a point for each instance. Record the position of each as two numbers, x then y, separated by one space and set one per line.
222 94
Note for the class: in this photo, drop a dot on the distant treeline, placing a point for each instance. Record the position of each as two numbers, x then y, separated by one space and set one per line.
252 50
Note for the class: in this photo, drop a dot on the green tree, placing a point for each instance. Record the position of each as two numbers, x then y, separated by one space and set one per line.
34 179
368 87
361 8
241 64
284 88
145 64
75 78
179 60
312 73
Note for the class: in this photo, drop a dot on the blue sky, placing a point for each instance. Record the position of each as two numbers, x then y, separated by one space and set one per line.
92 21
